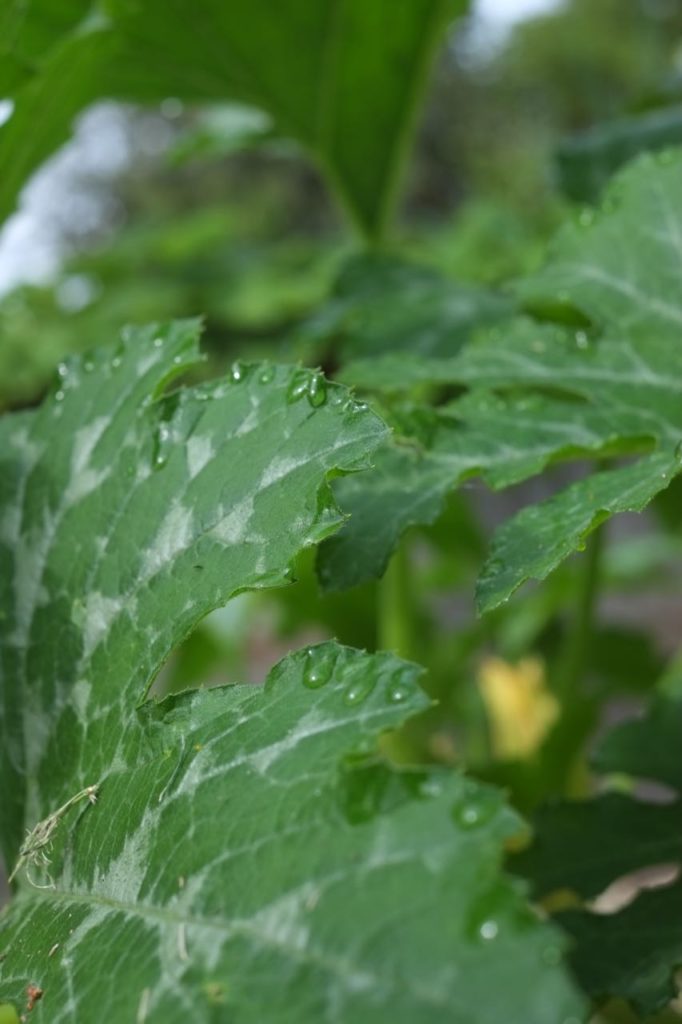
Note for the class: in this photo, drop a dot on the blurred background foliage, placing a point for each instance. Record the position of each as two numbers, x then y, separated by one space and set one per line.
182 209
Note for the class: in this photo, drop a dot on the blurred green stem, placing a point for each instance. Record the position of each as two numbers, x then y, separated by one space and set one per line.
564 771
396 620
573 661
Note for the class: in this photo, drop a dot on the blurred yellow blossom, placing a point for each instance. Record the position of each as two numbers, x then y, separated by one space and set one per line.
520 707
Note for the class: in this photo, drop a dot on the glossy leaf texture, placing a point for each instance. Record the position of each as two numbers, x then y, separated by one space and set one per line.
343 77
629 950
250 856
610 386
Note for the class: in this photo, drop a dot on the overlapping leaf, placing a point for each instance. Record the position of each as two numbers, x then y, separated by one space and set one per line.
612 387
313 67
249 857
382 305
587 161
585 846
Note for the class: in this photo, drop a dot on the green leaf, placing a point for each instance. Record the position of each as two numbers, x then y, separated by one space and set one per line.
586 846
646 748
226 866
611 387
126 520
502 439
633 953
344 78
383 305
249 854
541 536
587 161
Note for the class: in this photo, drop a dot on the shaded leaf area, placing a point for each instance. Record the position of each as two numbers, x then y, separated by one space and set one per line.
483 434
128 514
647 748
587 161
249 854
232 866
382 305
586 846
314 69
613 386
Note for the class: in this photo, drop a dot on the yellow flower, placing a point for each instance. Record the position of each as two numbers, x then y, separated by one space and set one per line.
520 707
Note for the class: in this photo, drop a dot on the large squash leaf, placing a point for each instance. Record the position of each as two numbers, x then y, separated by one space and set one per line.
611 387
249 857
343 77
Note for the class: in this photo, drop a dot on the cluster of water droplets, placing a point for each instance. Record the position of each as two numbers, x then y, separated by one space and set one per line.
323 665
308 384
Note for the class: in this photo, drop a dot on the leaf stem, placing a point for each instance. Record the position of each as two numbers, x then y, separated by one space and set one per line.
395 623
579 633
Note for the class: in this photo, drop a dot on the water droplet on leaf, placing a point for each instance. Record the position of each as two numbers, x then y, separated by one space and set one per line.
298 386
489 930
267 374
358 691
237 372
475 807
317 390
318 667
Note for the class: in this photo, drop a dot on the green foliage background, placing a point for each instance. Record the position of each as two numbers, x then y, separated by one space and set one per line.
365 193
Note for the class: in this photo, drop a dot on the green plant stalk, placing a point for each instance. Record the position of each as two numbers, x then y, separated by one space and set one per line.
396 620
573 662
562 769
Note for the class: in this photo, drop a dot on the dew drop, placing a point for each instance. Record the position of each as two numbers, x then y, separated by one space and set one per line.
581 340
88 366
398 689
358 691
318 668
489 930
177 360
317 390
298 386
267 374
237 372
59 396
162 443
360 407
62 370
115 362
158 342
474 808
